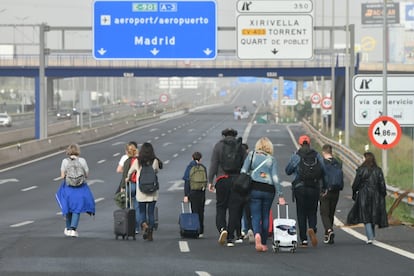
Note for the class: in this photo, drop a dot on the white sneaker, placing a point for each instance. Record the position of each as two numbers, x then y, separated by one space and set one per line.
73 233
250 235
239 240
66 232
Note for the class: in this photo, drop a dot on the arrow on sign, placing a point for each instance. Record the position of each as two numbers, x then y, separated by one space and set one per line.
154 51
102 51
207 51
274 51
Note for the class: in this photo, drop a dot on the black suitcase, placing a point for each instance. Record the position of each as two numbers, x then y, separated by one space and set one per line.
189 223
124 221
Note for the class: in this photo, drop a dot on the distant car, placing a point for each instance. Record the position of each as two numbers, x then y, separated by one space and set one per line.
96 111
5 120
64 114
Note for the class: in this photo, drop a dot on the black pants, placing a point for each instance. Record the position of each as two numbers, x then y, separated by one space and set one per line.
223 191
236 207
327 209
307 199
198 200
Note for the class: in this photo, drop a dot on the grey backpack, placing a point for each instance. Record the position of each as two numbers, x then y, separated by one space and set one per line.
75 173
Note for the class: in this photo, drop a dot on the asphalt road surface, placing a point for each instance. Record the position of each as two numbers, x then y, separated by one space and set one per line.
31 227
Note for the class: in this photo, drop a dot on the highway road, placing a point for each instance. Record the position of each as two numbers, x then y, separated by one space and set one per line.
32 240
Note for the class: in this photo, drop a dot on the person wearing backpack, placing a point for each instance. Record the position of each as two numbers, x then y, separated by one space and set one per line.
195 183
308 168
147 161
333 183
225 164
74 196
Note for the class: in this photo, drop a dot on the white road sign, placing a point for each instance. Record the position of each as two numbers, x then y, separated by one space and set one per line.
289 102
368 99
279 6
278 36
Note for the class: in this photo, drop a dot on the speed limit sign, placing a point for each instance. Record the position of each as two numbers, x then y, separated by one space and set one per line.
326 103
384 132
315 98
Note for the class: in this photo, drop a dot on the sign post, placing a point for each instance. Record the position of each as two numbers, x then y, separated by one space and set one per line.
155 30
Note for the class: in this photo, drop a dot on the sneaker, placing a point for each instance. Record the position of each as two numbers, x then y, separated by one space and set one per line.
223 236
250 235
136 231
66 232
239 240
243 235
73 233
331 236
200 235
230 243
312 236
326 239
304 243
370 241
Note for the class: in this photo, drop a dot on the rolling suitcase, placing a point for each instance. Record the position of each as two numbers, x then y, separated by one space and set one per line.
189 222
284 232
124 220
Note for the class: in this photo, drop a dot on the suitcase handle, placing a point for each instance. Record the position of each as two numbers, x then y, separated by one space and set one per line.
278 211
183 209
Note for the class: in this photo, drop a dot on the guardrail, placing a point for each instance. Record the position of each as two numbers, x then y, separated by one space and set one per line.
351 160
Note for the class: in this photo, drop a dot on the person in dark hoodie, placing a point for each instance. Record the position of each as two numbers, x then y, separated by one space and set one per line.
368 192
306 188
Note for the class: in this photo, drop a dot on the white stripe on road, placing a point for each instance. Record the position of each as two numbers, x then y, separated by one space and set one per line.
208 201
22 223
376 243
28 188
202 273
116 154
99 199
183 246
101 161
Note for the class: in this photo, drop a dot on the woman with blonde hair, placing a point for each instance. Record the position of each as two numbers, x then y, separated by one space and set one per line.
74 200
265 185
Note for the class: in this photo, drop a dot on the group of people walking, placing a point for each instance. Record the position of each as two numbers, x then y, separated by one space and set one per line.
317 182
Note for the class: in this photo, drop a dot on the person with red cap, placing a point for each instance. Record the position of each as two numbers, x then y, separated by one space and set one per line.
308 168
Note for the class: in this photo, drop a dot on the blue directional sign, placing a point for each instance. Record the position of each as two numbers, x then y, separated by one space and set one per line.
155 30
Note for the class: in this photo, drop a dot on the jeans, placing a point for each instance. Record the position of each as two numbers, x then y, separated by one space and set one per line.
135 203
307 199
146 210
260 205
370 231
72 220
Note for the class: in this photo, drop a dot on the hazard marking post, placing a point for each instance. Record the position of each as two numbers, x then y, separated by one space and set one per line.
384 132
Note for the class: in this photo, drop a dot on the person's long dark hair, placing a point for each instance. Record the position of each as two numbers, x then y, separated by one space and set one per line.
146 154
369 161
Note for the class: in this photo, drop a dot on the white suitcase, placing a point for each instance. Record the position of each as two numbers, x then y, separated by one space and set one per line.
284 233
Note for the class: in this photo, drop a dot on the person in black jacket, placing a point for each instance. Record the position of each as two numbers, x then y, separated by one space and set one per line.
368 192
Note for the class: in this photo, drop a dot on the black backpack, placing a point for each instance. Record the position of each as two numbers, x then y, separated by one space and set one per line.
310 169
334 175
148 180
232 156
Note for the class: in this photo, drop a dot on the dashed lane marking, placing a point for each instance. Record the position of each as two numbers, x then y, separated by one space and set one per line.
183 246
23 223
28 188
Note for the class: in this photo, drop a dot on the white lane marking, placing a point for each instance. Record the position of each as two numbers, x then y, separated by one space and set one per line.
175 155
285 184
57 178
183 246
23 223
376 243
59 213
153 129
166 144
166 162
202 273
178 185
99 199
3 181
208 201
163 134
116 154
101 161
156 138
183 149
118 143
28 188
93 181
